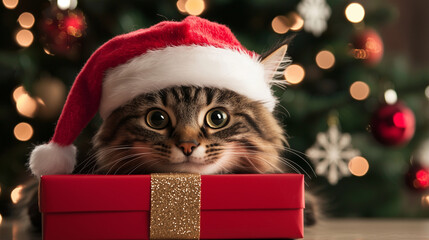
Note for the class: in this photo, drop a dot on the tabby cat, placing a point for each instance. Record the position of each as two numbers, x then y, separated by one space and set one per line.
192 129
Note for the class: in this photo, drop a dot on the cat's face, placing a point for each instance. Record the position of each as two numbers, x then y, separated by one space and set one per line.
189 129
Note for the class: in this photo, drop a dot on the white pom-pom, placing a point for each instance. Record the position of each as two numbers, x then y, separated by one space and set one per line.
51 158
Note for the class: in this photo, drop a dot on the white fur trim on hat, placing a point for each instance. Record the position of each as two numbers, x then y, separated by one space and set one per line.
204 66
51 158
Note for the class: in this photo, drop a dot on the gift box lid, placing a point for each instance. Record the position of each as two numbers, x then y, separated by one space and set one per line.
95 193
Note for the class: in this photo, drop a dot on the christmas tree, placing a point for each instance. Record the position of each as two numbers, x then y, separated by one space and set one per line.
355 115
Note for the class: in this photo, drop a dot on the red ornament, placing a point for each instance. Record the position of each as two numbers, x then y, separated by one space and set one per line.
62 31
393 125
368 46
417 177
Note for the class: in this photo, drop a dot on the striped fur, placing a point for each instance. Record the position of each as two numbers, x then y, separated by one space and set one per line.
251 142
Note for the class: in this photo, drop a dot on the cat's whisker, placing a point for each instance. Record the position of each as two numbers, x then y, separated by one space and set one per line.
132 160
298 154
137 167
99 154
121 166
285 111
287 162
113 163
283 159
292 151
251 163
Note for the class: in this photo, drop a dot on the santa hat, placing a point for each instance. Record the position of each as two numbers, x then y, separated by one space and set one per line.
193 52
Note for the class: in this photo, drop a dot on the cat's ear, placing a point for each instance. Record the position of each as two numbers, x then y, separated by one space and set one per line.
274 62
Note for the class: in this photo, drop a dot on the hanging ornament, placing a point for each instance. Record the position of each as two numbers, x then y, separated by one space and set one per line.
331 152
393 125
368 46
417 177
62 31
315 14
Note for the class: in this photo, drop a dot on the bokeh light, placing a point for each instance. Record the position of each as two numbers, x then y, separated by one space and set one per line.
1 219
26 105
18 92
11 4
46 50
195 7
358 166
422 178
40 102
67 4
15 195
0 190
181 5
355 12
400 120
26 20
298 21
51 94
427 92
359 90
425 200
24 38
390 96
280 24
294 74
325 59
23 131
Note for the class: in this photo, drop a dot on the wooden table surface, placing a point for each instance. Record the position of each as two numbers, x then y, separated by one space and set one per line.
334 229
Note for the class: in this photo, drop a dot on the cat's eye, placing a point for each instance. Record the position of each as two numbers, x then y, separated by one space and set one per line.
217 118
157 119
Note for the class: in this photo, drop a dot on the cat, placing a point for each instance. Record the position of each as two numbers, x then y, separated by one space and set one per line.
195 129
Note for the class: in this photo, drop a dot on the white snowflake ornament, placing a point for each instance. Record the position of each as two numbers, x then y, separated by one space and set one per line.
331 154
315 14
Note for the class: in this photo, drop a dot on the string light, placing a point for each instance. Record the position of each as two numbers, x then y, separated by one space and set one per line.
26 105
358 166
15 195
390 96
23 131
24 38
181 5
195 7
11 4
280 24
325 59
1 219
359 90
355 12
294 74
26 20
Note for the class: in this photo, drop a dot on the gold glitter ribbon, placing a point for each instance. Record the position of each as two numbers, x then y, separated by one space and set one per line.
175 206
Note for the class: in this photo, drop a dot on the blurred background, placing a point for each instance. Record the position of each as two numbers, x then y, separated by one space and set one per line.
356 109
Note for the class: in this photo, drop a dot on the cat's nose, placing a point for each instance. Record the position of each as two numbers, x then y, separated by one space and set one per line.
188 147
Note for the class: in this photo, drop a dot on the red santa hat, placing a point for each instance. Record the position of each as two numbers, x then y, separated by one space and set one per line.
193 52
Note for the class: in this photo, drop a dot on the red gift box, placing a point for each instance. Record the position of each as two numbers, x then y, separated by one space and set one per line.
118 207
